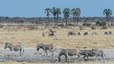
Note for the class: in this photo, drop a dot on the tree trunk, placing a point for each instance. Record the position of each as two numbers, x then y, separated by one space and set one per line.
77 20
54 20
57 18
66 21
48 20
73 17
108 20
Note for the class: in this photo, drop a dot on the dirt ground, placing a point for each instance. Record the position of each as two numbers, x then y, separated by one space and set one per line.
31 55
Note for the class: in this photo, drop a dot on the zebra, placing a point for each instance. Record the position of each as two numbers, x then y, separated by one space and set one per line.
86 33
51 33
79 33
46 47
99 53
14 47
106 33
68 52
87 53
71 33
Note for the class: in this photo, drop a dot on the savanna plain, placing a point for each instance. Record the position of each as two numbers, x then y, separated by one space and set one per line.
30 38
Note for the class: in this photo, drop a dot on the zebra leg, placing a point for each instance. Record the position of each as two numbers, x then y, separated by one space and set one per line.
85 58
75 58
20 51
78 56
66 57
23 51
103 56
52 52
59 59
95 58
46 52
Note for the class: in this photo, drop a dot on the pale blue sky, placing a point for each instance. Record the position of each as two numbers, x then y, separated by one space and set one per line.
35 8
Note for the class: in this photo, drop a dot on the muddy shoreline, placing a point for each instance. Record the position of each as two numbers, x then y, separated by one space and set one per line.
31 55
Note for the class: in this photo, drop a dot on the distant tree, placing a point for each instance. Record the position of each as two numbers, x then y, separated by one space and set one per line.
108 13
53 11
58 11
73 13
76 13
66 13
47 11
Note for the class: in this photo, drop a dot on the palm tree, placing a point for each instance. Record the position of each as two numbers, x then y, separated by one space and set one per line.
76 13
108 13
53 11
66 13
47 11
58 12
73 13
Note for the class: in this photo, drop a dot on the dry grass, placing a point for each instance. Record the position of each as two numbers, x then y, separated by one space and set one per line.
54 63
17 35
10 62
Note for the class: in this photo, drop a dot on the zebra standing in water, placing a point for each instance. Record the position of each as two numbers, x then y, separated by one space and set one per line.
68 52
46 47
15 47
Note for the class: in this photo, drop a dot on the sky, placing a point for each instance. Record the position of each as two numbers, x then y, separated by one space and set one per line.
36 8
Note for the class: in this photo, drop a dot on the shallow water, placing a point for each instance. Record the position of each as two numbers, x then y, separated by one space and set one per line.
31 55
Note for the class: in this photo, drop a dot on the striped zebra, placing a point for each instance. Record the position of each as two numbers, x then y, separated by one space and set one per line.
68 52
12 47
100 54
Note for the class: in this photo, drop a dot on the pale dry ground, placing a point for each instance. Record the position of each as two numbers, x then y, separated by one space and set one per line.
16 35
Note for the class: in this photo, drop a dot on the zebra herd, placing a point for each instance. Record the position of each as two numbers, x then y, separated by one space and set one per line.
63 52
50 33
72 33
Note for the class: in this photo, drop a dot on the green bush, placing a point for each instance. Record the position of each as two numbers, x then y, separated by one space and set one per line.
98 23
71 25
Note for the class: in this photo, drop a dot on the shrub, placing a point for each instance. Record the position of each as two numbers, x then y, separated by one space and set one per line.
98 23
93 27
1 26
112 24
32 27
103 24
104 27
86 24
71 25
81 28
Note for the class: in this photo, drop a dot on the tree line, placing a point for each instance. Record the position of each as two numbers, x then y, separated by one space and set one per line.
56 12
75 12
